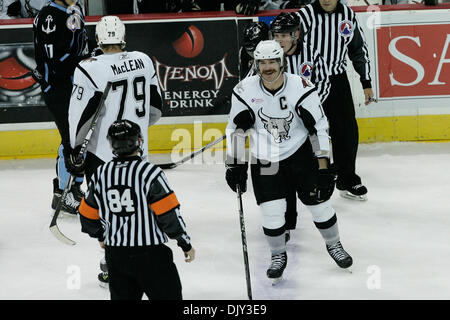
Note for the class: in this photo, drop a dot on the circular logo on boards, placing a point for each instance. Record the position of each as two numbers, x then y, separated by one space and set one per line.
190 44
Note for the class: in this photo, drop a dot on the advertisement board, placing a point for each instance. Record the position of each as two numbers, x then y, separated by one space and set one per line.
413 61
196 63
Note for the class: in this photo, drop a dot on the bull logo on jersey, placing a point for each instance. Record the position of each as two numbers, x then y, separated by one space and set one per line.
306 70
346 28
277 127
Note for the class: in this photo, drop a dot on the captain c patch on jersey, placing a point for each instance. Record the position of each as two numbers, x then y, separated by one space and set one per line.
277 127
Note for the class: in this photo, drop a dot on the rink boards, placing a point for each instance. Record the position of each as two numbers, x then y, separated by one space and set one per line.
410 72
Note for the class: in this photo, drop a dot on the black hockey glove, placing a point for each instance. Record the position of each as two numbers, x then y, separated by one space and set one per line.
248 7
325 184
237 174
14 9
73 160
189 5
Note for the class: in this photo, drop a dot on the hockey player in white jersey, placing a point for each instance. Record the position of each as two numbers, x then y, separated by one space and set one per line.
134 95
288 129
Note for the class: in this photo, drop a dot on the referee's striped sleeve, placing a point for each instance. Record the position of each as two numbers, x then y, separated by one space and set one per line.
320 77
359 55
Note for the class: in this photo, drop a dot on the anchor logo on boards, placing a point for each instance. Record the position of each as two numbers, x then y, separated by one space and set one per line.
48 29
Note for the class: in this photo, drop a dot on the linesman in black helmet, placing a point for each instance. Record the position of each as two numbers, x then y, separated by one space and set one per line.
253 33
131 209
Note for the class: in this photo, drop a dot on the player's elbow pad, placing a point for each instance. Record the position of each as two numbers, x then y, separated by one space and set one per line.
244 120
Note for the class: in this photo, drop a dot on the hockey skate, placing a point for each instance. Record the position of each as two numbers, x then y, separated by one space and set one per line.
356 192
277 266
339 255
72 200
103 279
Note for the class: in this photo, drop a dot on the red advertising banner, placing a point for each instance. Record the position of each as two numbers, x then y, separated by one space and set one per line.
414 61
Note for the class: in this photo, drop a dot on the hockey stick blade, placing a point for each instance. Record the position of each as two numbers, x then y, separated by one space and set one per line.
53 224
60 236
172 165
168 165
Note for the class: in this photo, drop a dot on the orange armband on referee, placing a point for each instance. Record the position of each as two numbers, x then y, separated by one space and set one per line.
165 204
87 211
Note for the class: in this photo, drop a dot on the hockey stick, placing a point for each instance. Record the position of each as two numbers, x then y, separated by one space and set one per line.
244 242
192 155
53 225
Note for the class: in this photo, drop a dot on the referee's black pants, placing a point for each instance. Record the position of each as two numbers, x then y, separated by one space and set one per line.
340 111
134 271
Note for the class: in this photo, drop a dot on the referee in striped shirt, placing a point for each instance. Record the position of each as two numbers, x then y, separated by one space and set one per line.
302 59
332 29
131 209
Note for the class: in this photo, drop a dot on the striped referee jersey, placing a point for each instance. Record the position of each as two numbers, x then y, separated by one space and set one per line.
130 203
309 64
334 35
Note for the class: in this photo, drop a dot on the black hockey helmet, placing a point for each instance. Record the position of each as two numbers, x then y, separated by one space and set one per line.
255 32
285 22
123 136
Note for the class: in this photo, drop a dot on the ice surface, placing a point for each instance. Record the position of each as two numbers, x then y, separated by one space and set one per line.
401 236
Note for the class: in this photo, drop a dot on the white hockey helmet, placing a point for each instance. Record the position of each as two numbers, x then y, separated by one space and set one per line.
110 30
269 49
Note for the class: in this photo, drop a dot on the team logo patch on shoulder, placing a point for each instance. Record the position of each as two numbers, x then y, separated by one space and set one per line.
346 28
306 70
239 88
73 22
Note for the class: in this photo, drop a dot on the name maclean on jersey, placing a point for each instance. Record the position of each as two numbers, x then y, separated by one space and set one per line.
128 66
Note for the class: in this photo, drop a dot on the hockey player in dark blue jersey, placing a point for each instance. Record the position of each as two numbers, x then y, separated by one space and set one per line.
60 42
